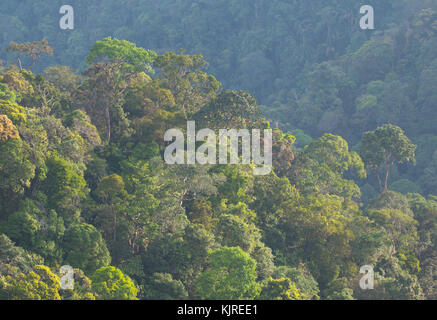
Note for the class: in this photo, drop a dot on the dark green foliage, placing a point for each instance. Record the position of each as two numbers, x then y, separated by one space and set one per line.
14 259
85 248
163 287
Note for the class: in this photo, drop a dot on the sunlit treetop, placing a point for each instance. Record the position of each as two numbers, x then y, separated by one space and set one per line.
133 58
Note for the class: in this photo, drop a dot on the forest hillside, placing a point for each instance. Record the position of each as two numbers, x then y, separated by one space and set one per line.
85 191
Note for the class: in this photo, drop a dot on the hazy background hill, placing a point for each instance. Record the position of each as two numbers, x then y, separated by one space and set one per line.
308 63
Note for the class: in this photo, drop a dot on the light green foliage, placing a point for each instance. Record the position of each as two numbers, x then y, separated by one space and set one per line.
237 233
17 86
82 288
320 167
319 230
344 294
366 102
109 283
122 51
334 152
425 213
39 284
13 111
400 228
231 275
7 94
306 285
391 211
279 289
110 188
282 152
236 185
65 187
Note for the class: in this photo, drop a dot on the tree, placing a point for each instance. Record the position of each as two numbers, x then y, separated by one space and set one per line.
116 62
320 167
39 284
15 85
17 114
7 94
425 212
321 108
162 286
182 254
141 204
63 78
80 122
65 187
37 229
282 151
234 232
109 283
7 129
111 191
16 170
131 57
183 75
230 109
33 49
14 259
316 230
392 211
384 147
424 24
101 96
82 288
231 275
85 248
305 283
279 289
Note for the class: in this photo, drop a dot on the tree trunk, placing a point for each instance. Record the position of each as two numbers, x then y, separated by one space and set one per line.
32 65
19 64
379 180
115 226
108 124
387 171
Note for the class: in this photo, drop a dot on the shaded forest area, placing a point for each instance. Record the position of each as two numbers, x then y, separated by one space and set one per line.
83 183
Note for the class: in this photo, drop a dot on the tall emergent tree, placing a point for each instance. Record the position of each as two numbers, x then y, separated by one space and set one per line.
112 63
33 49
383 147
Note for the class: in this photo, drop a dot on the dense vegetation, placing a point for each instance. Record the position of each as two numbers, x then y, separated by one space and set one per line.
83 183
